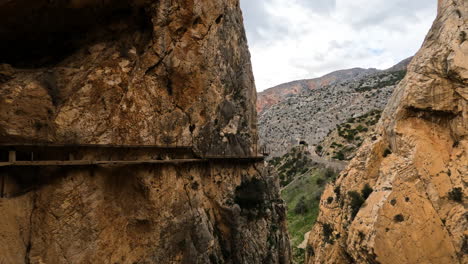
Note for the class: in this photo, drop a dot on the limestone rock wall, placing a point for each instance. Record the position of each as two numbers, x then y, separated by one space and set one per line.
151 72
140 72
416 165
218 213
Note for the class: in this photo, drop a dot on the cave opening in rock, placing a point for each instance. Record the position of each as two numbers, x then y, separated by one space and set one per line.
41 33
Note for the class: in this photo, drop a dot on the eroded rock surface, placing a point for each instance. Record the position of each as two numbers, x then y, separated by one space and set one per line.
221 213
168 73
152 72
416 167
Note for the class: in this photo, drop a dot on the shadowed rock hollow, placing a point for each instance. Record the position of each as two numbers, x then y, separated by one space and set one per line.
169 73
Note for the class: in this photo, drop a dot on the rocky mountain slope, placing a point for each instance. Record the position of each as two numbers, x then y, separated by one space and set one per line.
276 94
311 114
157 72
343 142
402 199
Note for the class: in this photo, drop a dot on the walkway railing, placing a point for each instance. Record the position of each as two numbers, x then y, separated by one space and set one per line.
89 154
31 157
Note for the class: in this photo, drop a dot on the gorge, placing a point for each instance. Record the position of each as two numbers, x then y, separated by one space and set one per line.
130 132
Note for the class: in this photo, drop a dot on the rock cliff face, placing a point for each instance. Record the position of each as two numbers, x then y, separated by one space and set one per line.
402 199
169 73
153 72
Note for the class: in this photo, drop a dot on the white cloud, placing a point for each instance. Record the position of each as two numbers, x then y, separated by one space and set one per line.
298 39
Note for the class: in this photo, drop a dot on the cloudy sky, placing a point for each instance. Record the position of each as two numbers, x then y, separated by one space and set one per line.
301 39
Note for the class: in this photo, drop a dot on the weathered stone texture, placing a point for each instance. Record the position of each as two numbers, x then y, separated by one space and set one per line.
416 165
163 73
150 214
155 72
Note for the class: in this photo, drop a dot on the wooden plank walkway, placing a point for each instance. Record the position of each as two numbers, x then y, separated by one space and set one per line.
124 162
58 145
91 162
38 154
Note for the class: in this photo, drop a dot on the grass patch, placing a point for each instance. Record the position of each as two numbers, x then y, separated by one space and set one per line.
302 194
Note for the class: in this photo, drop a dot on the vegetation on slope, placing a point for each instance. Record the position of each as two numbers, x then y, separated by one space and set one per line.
380 81
296 162
343 142
302 198
302 183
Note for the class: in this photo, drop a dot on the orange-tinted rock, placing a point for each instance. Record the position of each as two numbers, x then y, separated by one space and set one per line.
416 166
157 72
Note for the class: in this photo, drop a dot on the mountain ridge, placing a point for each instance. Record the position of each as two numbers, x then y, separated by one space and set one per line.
275 94
311 114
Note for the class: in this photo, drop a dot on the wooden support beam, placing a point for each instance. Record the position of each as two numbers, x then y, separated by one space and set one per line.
11 156
2 187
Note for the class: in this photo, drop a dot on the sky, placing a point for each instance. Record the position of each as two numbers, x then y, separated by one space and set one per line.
302 39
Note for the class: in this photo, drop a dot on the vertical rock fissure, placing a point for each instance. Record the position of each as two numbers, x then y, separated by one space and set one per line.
27 257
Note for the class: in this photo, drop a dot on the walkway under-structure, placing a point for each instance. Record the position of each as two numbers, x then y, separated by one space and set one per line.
87 154
31 156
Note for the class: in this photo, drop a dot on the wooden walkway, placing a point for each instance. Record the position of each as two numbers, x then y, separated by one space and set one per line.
21 155
125 162
20 163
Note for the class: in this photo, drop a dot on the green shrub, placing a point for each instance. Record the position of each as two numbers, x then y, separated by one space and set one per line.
356 202
310 250
337 192
387 152
327 232
320 181
398 218
361 235
301 207
339 156
318 196
251 194
366 191
319 148
456 194
329 173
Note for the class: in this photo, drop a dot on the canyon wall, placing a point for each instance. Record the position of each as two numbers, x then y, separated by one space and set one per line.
131 72
127 72
402 199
